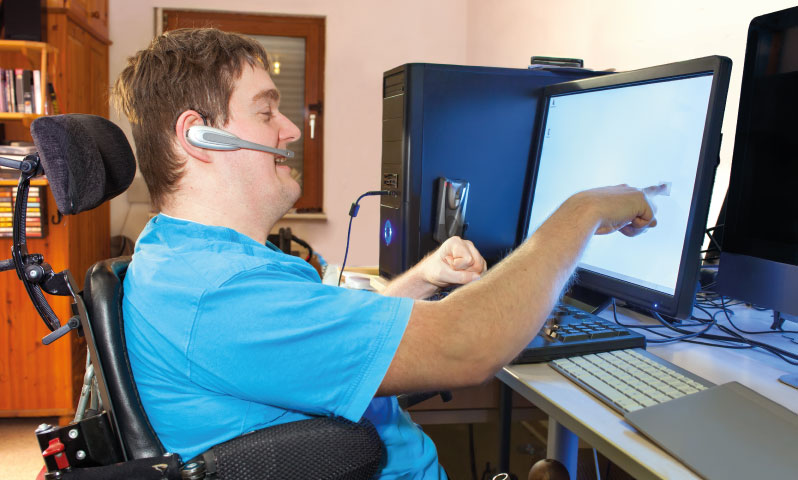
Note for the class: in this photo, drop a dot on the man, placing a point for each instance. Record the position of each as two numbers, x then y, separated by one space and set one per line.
227 335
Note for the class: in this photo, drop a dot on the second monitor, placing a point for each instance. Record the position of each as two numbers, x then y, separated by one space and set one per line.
644 127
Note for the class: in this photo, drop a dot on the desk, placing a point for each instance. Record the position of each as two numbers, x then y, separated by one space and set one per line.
575 413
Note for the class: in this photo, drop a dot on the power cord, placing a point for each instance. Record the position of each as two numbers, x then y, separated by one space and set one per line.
731 340
352 214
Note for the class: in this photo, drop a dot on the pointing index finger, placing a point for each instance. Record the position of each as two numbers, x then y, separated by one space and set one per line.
663 189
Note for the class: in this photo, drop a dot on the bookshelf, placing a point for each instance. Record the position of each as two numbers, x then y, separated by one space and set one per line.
21 54
38 380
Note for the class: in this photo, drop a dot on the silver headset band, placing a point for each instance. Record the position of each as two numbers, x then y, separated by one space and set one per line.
216 139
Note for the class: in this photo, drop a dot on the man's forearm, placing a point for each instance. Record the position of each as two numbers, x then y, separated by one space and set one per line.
508 306
410 284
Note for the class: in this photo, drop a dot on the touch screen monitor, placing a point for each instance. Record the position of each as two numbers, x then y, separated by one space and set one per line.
659 125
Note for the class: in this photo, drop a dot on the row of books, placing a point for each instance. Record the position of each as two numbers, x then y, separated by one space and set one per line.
35 215
22 91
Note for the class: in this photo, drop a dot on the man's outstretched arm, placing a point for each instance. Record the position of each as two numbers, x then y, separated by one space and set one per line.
466 337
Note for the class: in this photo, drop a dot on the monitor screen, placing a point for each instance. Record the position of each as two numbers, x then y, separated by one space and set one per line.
759 260
653 126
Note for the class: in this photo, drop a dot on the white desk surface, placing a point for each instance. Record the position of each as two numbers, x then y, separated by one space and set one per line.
607 431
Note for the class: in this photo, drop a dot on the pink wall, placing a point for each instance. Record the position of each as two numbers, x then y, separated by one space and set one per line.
364 38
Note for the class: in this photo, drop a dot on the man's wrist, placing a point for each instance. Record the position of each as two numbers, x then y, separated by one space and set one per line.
584 209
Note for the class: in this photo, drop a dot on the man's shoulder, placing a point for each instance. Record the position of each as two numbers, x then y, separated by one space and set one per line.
208 257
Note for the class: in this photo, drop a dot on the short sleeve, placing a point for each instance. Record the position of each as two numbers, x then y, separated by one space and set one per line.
277 338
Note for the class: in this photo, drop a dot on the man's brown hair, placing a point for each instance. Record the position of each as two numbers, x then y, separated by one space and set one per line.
185 69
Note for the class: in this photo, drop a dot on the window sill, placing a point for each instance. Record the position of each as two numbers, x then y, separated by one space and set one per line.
305 216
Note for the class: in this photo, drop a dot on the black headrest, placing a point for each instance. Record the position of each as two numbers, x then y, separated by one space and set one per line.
87 159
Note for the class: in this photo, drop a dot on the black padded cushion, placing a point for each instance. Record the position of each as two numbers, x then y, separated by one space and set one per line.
319 448
102 294
87 159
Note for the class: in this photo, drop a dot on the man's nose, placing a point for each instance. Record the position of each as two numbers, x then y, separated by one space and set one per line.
288 131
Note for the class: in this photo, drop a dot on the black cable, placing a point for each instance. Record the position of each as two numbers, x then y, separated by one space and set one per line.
788 357
717 338
352 214
760 332
471 453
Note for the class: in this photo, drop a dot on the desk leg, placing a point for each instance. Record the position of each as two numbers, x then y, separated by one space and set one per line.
505 424
563 445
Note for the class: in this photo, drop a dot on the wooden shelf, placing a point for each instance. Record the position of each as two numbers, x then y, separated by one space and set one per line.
38 181
27 47
26 118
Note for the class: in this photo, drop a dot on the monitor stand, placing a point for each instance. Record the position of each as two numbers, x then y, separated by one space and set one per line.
588 300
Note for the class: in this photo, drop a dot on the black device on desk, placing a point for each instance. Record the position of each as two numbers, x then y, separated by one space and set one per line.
759 260
645 127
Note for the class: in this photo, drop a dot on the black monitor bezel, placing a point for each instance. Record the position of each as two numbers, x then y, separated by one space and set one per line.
680 304
745 273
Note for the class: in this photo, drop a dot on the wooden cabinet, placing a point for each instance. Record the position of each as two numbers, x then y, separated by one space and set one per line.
92 13
39 380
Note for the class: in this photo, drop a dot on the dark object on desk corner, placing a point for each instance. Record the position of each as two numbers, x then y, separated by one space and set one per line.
557 61
548 469
451 208
21 20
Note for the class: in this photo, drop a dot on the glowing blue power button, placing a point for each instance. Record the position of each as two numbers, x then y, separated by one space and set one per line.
387 232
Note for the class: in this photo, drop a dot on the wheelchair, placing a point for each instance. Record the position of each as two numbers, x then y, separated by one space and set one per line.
88 160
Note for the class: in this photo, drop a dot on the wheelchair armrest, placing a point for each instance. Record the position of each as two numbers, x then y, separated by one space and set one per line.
407 400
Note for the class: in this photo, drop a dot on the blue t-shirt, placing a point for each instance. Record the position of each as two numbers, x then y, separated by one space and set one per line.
226 336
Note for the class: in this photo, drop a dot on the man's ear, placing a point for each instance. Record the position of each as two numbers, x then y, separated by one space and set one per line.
186 120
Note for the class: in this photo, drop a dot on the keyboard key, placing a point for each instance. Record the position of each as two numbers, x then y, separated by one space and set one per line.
629 405
572 337
606 333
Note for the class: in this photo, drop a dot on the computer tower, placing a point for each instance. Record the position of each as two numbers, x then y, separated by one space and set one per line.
460 122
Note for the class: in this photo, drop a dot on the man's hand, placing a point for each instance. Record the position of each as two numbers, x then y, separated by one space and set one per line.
622 208
455 262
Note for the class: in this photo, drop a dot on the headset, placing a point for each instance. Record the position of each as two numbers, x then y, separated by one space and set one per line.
214 139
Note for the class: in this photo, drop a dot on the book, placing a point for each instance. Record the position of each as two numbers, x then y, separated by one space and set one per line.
37 92
19 100
53 101
10 93
27 91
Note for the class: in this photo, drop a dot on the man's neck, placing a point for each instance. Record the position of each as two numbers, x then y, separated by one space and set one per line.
238 219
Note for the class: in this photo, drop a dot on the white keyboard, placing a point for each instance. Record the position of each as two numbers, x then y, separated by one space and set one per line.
628 380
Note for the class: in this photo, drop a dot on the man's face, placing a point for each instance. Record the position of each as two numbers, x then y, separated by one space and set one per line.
254 116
